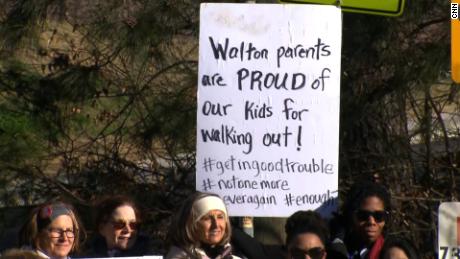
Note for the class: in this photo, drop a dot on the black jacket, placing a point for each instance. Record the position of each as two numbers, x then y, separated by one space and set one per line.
98 248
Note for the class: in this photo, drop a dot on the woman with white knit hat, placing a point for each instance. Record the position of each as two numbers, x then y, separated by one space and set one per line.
201 229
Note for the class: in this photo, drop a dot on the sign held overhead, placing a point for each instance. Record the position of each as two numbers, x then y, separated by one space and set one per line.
268 107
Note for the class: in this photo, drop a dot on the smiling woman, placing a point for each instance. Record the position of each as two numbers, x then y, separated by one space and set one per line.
201 229
117 222
52 231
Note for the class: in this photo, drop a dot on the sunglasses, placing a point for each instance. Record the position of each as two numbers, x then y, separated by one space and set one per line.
117 225
379 215
314 253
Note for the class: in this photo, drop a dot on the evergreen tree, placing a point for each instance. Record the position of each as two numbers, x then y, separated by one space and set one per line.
98 97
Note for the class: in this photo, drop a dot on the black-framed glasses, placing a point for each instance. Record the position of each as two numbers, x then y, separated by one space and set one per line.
378 215
313 253
120 224
58 232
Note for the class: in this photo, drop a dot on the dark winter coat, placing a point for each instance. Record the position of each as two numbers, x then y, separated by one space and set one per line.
98 248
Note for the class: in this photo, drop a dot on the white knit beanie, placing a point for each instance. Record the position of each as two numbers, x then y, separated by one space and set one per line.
206 204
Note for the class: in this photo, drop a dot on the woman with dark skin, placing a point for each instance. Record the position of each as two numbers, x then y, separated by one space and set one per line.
398 248
366 212
306 236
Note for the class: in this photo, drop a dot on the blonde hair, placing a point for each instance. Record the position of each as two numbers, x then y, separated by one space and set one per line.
184 228
20 254
31 231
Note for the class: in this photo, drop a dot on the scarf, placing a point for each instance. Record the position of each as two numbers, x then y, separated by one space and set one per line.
374 253
218 252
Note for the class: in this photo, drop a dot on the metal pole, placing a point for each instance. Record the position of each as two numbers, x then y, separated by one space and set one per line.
247 225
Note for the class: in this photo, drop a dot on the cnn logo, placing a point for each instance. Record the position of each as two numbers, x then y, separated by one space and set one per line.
454 10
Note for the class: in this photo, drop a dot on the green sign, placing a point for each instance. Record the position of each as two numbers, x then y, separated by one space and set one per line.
378 7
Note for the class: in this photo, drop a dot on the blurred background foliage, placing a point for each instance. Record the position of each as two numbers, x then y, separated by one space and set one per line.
99 97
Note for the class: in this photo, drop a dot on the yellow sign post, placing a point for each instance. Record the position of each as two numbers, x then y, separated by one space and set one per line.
455 40
377 7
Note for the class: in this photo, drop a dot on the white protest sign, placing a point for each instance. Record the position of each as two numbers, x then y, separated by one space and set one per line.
268 107
449 230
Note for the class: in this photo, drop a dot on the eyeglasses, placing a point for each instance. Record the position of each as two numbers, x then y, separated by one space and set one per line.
122 224
314 253
57 233
379 215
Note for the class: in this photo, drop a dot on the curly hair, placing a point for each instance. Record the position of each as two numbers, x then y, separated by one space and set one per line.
362 190
306 222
